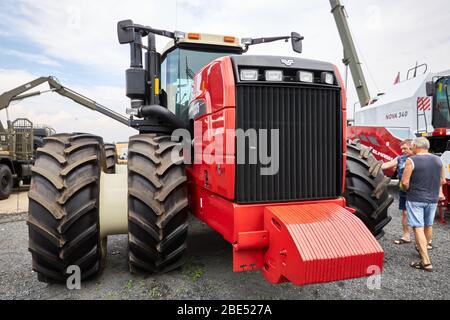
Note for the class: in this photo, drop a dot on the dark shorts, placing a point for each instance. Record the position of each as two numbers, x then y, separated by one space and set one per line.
402 200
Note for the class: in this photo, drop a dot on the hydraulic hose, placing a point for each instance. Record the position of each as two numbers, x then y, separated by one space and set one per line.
162 114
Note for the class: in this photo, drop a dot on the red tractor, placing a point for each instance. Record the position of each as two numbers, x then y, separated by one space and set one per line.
306 210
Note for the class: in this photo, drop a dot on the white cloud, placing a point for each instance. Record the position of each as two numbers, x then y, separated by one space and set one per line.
36 58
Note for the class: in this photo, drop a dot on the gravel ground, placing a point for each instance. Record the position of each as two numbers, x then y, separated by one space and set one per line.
208 273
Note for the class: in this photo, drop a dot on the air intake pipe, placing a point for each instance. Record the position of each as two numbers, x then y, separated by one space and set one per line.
161 115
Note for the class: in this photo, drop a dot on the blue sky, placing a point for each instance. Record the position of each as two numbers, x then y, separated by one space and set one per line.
75 40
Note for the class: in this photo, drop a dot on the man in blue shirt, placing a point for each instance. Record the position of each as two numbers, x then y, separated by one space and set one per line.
399 164
423 178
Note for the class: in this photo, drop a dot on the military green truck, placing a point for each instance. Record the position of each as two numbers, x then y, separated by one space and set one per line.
17 153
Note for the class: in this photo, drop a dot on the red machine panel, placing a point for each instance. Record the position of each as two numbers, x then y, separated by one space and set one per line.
344 123
214 142
385 146
215 84
315 243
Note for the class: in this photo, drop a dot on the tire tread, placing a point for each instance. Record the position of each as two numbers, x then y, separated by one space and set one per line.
157 204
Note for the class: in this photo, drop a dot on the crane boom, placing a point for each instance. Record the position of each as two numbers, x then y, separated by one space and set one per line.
351 58
20 93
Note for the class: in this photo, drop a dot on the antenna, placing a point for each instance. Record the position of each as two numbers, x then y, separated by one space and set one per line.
176 14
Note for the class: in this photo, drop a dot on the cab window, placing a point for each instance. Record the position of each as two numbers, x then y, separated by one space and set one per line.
177 74
441 112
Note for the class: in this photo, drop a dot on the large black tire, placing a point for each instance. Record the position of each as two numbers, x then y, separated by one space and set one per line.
366 188
157 205
63 217
6 182
111 157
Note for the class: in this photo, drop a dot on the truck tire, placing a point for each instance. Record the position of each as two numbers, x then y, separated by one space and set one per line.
63 220
111 157
366 188
6 181
157 205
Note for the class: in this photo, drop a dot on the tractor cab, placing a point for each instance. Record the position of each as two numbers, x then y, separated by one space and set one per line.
439 90
182 59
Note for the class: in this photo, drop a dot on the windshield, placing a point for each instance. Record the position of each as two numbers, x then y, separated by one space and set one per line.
441 114
177 74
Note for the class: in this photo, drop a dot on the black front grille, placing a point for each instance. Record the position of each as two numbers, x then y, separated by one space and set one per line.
310 148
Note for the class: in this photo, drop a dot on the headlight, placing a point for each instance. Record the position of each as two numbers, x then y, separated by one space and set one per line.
305 76
327 78
274 75
249 75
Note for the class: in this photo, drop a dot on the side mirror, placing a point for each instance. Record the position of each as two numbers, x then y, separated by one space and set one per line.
296 42
430 88
125 35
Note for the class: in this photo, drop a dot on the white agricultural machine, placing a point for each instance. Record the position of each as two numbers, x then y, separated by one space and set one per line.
415 107
418 106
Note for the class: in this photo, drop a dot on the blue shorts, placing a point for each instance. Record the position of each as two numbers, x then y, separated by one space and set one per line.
402 200
420 214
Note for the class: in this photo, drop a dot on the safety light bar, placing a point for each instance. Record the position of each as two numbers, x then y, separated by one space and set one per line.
229 39
194 36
